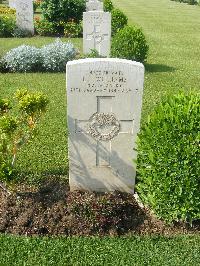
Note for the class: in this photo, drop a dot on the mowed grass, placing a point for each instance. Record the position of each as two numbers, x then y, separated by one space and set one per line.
172 31
47 154
182 250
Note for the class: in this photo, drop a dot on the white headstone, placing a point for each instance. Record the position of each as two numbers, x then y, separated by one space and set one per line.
93 5
12 3
24 13
104 108
97 32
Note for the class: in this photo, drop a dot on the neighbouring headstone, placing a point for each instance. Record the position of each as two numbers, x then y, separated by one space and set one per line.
24 14
93 5
104 107
97 32
12 3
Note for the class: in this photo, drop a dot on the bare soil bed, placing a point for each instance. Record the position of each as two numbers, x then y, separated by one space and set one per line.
53 210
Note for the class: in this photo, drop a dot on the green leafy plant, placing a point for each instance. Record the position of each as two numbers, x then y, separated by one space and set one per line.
6 10
16 130
36 4
119 20
63 10
93 54
45 28
3 68
169 159
130 43
73 29
108 5
7 26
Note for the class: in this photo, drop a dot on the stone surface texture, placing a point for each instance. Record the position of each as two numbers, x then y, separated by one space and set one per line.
24 14
104 108
12 3
93 5
97 32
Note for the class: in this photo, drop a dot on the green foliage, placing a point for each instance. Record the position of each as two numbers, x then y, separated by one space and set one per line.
107 5
36 4
32 105
18 129
130 43
73 29
44 27
168 159
119 20
7 26
70 29
57 11
93 54
4 106
4 9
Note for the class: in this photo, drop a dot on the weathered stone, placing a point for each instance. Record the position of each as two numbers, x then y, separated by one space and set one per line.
97 32
104 109
94 5
24 13
12 3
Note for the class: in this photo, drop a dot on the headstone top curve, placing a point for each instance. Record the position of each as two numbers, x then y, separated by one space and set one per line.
105 60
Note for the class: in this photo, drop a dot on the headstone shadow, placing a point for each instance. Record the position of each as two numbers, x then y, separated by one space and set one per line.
159 68
80 169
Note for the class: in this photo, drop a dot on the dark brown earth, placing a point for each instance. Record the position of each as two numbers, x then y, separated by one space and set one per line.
53 210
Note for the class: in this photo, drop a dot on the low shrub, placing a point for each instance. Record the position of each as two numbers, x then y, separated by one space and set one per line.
44 27
7 26
70 29
36 4
73 30
169 159
3 68
24 58
63 10
130 43
52 57
6 10
107 5
119 20
56 55
18 128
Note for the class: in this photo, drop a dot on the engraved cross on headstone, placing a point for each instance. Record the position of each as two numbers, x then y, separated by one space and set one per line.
104 148
97 37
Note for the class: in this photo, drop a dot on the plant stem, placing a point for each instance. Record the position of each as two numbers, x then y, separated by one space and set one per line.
13 160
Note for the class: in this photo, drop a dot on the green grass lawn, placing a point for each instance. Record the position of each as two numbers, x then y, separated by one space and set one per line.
172 31
182 250
47 155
